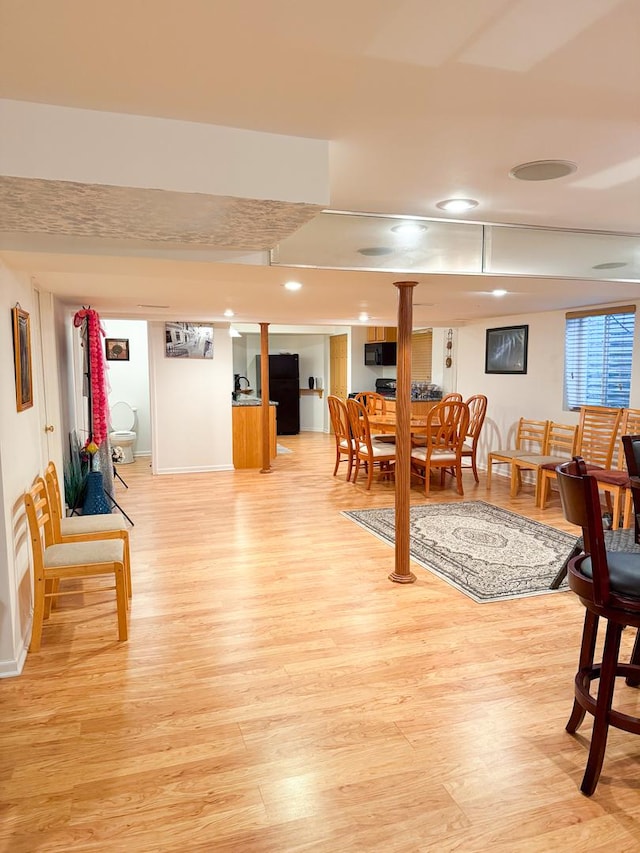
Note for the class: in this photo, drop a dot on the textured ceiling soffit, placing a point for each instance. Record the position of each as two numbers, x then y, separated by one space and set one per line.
34 205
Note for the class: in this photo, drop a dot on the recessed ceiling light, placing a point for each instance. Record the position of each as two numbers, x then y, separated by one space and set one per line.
153 306
610 265
543 170
499 292
293 285
363 317
409 229
457 205
228 313
375 251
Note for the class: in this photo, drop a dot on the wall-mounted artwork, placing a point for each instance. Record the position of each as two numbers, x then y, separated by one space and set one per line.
116 349
188 340
506 350
22 357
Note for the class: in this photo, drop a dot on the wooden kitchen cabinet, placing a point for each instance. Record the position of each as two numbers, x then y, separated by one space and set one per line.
247 435
381 334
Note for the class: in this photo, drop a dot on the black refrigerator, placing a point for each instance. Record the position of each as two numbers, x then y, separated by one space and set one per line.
284 389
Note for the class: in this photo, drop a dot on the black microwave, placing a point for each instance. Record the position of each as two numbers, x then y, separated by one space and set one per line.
382 354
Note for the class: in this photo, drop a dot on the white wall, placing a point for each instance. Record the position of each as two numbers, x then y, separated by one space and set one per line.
538 393
129 380
191 406
20 458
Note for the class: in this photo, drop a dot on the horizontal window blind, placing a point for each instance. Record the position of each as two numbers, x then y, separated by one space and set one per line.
421 355
598 357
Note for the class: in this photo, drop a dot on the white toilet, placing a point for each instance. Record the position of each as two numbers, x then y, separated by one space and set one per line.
123 421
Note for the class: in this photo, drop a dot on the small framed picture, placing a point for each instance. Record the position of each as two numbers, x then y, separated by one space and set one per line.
22 358
506 350
117 349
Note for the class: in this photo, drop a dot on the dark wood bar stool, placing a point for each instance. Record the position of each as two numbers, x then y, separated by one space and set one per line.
608 584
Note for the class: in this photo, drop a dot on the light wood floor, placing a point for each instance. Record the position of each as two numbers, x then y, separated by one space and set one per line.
279 694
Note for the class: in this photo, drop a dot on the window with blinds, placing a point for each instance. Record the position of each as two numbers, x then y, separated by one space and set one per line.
598 357
421 355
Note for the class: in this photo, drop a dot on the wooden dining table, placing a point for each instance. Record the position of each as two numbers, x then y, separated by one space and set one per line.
387 423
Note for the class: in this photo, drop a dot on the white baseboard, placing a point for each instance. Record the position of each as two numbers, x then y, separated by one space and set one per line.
11 668
199 470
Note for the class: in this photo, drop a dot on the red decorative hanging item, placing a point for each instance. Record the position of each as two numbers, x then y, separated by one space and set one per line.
99 406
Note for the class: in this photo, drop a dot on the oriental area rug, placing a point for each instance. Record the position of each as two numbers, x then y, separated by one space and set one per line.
488 553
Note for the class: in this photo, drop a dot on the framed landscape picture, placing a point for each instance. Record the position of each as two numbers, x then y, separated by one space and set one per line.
22 358
506 350
116 349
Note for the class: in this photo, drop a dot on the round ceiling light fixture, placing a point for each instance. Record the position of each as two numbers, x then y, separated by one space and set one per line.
543 170
228 313
292 285
457 205
499 292
375 251
610 265
363 317
409 229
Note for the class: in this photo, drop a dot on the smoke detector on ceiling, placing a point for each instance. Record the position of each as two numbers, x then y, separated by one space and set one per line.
543 170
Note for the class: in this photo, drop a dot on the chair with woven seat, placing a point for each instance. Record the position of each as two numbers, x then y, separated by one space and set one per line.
531 438
341 433
597 435
54 563
559 447
447 424
85 528
608 585
367 450
477 405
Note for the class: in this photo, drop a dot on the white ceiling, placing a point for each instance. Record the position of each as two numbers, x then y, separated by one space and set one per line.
421 99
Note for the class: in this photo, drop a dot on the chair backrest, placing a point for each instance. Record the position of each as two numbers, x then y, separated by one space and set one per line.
631 447
453 395
532 435
629 425
581 506
55 499
339 418
36 502
359 424
477 411
597 434
447 424
373 402
562 440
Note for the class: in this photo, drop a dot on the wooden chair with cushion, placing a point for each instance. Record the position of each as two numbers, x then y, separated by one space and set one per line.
559 447
614 482
477 412
85 528
373 402
608 585
597 435
531 437
56 562
342 433
447 425
367 451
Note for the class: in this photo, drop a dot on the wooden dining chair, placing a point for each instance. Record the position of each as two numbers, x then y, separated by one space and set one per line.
531 438
477 412
374 403
447 424
597 435
85 528
341 433
614 481
608 585
54 563
559 447
367 451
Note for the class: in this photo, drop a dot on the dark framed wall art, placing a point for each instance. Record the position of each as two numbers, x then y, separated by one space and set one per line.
506 350
22 358
116 349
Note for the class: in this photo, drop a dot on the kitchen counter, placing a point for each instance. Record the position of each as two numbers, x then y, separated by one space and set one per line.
250 401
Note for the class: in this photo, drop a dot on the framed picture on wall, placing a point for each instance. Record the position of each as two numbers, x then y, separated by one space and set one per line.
188 340
116 349
22 358
506 350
